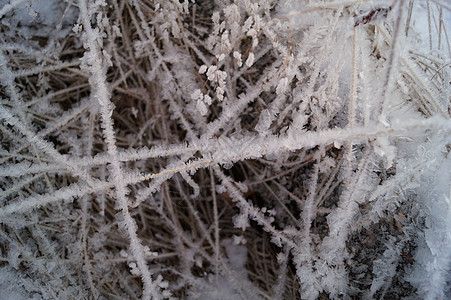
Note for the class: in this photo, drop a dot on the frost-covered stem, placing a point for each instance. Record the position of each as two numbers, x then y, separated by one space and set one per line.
40 69
87 264
250 211
233 151
333 248
232 111
422 83
304 258
392 63
351 110
40 143
35 201
84 219
52 127
216 219
101 94
428 8
8 79
279 287
363 75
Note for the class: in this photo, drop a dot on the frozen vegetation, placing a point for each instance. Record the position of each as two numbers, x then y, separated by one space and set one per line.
225 149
